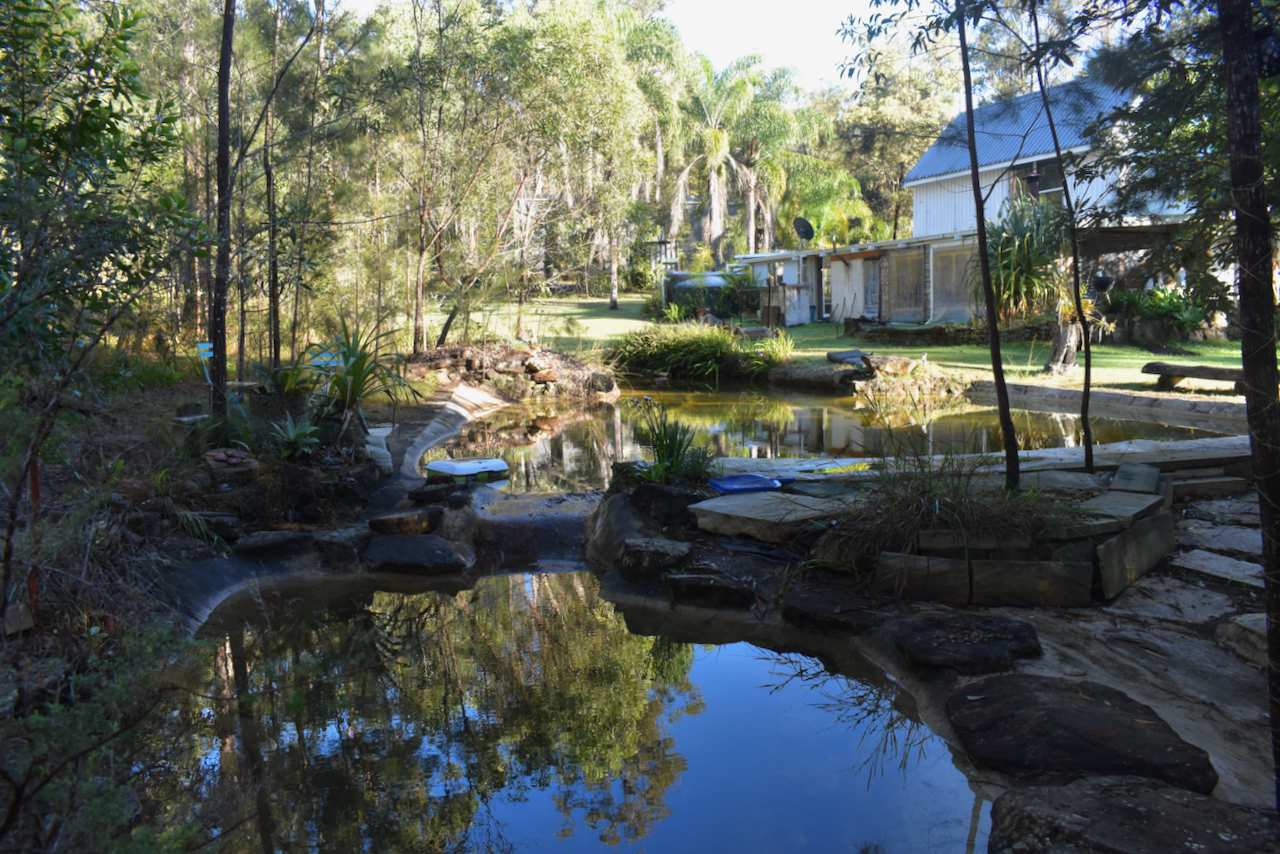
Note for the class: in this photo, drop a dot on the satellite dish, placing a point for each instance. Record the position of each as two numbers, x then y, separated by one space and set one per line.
804 228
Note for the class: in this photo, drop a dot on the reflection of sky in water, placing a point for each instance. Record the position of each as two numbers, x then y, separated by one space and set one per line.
732 748
572 450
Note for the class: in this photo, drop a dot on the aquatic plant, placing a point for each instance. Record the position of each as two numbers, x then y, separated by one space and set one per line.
359 370
692 351
674 455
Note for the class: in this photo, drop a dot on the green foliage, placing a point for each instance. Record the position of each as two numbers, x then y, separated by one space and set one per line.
1170 304
298 378
360 373
674 456
692 351
1024 246
295 439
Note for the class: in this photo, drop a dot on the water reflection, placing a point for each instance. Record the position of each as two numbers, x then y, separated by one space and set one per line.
564 449
523 714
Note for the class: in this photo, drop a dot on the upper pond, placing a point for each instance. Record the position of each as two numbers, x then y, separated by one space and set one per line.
561 448
522 714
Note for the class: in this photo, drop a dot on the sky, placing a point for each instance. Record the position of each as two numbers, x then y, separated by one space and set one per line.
802 35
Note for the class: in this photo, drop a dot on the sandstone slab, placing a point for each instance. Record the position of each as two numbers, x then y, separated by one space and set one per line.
1042 727
1246 636
1125 815
1163 598
1136 477
1125 557
1125 506
937 579
1239 511
773 517
971 643
1219 538
1032 583
648 558
424 554
612 523
1209 486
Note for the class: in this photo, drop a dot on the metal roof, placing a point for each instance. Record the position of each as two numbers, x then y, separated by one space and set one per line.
1016 130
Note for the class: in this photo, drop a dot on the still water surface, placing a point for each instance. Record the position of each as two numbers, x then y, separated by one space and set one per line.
522 715
564 448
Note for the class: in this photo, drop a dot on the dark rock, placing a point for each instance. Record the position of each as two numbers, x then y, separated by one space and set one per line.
828 610
424 554
226 526
614 522
662 504
184 549
1125 815
299 482
136 491
137 450
145 522
312 511
341 548
709 591
600 383
648 558
1037 726
273 545
971 643
249 502
419 520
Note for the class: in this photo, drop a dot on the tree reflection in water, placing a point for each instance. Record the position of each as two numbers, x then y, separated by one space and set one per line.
397 722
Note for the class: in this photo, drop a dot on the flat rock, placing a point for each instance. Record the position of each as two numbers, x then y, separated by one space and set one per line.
773 517
823 490
937 579
273 545
424 554
1094 526
1219 538
1126 506
829 609
1032 583
890 364
1125 815
1038 726
649 558
708 590
1136 477
1246 636
418 520
847 357
1241 511
341 547
1165 598
1210 486
1061 481
971 643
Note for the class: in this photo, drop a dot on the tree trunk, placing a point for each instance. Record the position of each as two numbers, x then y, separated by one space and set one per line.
1066 341
613 272
222 267
273 231
1257 315
1007 433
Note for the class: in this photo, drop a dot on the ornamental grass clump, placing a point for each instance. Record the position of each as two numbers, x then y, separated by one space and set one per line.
675 457
913 491
693 351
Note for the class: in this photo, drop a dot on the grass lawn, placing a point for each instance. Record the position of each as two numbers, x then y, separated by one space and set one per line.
586 326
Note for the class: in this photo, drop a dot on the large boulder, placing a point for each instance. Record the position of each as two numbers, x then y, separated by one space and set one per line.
417 520
971 643
613 523
663 504
646 558
424 554
1037 726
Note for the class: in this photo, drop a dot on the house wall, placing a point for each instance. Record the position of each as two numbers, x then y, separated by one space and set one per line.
848 296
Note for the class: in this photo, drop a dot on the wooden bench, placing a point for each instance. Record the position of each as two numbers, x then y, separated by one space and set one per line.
1171 375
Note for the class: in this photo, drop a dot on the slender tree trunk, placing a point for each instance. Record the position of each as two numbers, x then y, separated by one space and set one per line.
1074 236
1257 315
222 268
377 218
273 232
613 272
1007 433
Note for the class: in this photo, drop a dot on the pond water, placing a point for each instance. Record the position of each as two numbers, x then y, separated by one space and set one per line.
557 448
522 715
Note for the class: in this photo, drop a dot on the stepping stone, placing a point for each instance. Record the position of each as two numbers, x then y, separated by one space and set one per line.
1078 529
1246 636
1039 726
342 547
1125 815
773 517
1210 486
425 554
1136 477
1220 566
1241 511
1219 538
829 610
419 520
1061 481
1125 506
1165 598
971 643
848 357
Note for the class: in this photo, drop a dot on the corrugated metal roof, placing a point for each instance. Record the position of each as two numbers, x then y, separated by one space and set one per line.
1016 129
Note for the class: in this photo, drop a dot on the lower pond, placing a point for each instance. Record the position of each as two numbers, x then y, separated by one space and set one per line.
560 447
521 714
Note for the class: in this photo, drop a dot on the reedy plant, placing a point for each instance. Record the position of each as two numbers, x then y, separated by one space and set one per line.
361 372
674 455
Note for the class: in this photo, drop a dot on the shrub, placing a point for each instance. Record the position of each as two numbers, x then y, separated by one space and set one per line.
691 351
674 455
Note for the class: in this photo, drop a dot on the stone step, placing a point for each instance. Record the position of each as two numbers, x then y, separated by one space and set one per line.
1210 486
773 517
1220 566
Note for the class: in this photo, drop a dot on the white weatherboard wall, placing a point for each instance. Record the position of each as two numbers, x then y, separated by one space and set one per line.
847 289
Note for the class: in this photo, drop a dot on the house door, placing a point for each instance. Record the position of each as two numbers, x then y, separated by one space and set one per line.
905 297
871 289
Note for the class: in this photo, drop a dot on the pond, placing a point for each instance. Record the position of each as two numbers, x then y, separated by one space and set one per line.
522 714
562 448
